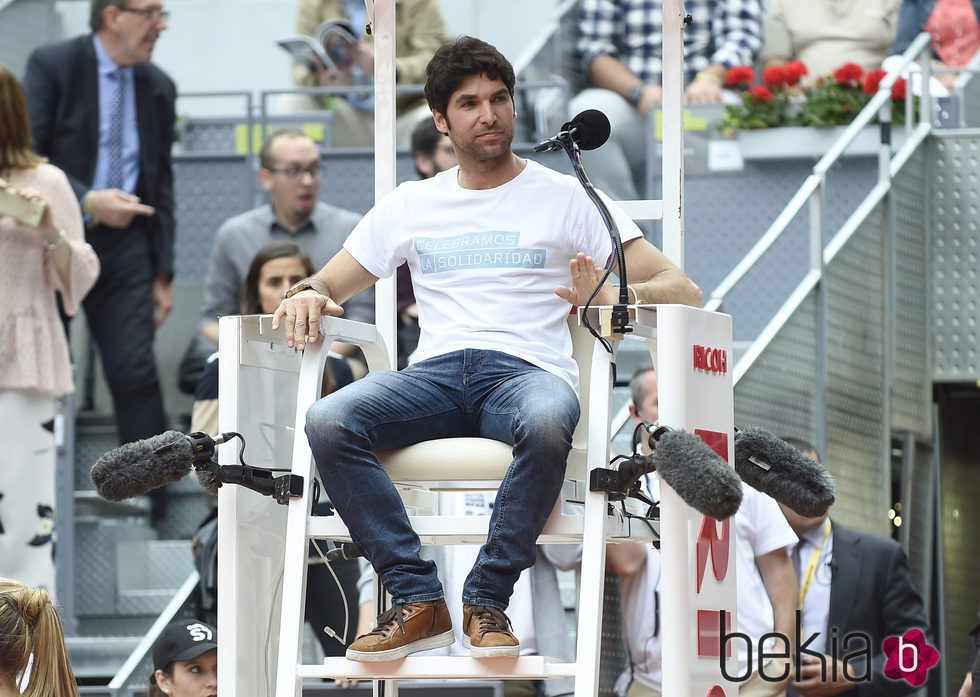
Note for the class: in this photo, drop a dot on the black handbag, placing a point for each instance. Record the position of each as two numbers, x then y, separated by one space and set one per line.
192 363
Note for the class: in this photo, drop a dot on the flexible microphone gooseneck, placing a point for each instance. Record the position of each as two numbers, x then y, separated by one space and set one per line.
587 131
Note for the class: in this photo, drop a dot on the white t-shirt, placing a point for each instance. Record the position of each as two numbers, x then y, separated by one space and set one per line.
760 528
485 263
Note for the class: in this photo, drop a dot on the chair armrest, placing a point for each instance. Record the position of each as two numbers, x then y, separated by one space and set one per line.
361 334
643 319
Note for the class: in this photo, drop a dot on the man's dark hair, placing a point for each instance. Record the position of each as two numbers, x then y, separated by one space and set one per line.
425 140
803 446
425 137
265 154
96 20
457 60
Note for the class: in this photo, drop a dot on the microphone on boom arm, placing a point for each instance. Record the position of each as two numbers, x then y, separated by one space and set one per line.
587 131
704 480
701 478
134 469
771 465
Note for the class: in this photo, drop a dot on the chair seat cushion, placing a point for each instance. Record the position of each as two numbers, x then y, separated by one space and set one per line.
462 459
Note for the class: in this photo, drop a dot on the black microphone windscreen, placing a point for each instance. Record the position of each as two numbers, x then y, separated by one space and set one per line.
773 466
591 129
698 474
135 468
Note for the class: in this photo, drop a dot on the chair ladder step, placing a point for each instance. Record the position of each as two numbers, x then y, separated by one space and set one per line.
449 667
473 529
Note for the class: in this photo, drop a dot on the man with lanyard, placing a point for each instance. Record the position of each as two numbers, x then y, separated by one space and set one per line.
850 582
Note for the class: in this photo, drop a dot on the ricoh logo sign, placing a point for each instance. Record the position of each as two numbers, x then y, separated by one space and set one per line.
710 360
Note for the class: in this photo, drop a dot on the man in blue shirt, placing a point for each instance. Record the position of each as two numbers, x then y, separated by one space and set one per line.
105 115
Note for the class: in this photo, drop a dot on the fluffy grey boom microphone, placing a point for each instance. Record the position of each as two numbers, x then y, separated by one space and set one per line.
698 474
136 468
774 467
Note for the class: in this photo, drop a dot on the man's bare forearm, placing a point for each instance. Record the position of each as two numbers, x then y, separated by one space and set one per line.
669 287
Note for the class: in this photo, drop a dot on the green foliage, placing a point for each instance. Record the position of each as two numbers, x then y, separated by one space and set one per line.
831 103
755 110
783 99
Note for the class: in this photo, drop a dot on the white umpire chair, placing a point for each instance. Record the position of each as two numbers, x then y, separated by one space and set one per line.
265 389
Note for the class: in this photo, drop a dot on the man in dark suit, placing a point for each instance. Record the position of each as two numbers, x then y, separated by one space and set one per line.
850 582
105 115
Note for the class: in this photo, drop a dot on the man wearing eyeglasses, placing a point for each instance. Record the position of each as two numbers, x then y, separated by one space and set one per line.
105 115
290 172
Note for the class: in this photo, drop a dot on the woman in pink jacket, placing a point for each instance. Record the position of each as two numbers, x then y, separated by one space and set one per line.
37 257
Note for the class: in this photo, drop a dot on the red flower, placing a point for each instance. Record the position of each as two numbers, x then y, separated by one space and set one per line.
793 71
740 75
774 76
898 89
759 93
848 73
872 79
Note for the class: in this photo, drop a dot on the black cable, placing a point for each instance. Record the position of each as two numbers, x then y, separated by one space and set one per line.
315 494
621 318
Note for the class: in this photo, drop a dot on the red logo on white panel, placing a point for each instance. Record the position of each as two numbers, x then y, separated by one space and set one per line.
710 360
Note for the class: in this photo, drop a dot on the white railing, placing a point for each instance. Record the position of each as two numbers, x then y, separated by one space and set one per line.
813 190
126 674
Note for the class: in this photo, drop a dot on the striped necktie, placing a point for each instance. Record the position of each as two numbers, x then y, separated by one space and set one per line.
114 147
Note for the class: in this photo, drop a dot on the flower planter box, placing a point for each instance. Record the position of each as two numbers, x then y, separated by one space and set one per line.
804 141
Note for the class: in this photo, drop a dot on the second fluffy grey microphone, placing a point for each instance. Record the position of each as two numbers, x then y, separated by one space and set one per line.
136 468
698 474
768 463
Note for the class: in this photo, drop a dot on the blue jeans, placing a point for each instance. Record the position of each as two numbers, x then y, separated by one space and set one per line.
465 393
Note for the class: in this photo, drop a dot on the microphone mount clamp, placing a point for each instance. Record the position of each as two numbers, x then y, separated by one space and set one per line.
624 482
261 480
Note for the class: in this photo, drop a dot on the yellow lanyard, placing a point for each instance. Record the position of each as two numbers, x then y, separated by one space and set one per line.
811 568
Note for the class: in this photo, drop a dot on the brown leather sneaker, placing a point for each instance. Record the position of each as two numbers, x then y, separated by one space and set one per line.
405 629
486 632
